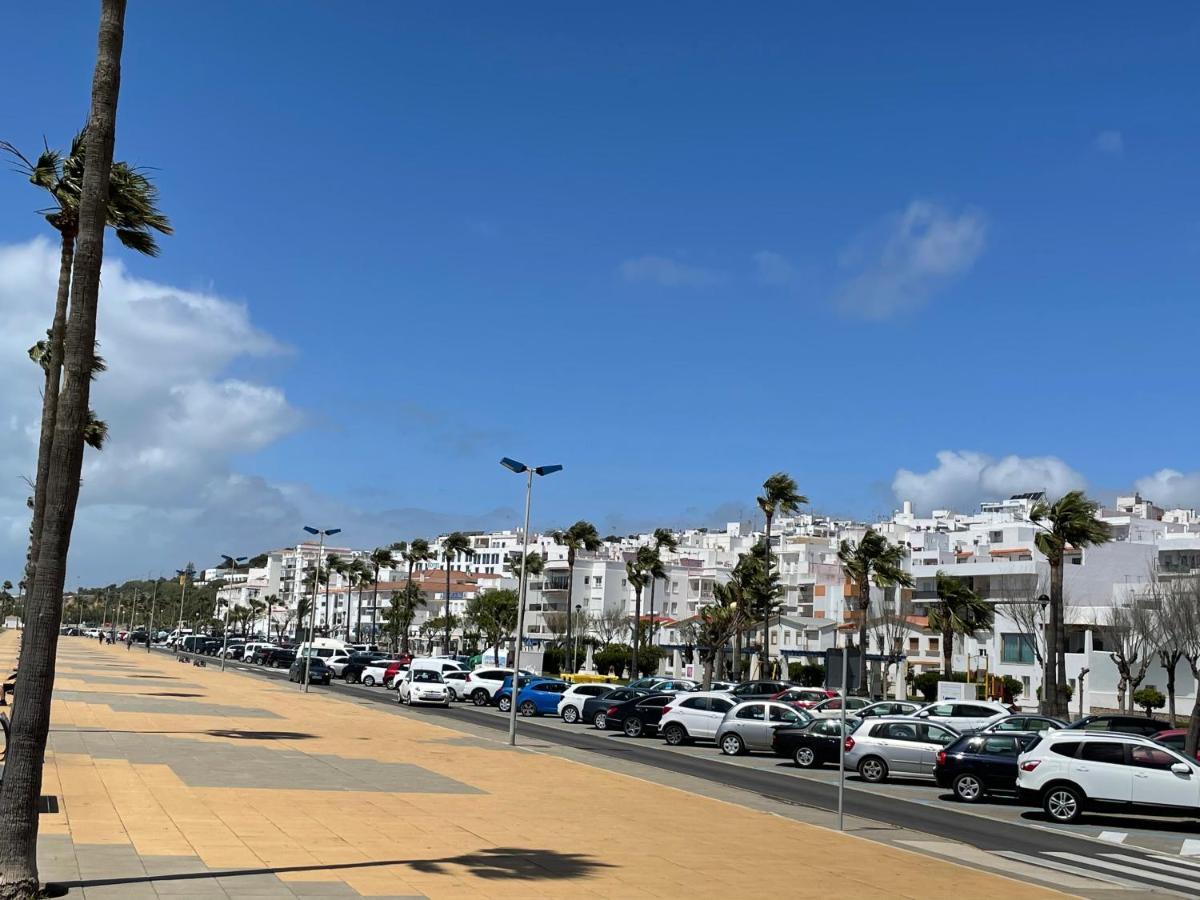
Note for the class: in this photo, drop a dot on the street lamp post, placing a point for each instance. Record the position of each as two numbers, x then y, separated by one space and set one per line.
312 612
842 742
232 562
529 471
575 648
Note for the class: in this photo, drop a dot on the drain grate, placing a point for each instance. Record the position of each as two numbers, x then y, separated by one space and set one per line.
48 804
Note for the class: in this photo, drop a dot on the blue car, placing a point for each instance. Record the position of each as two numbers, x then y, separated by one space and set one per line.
535 696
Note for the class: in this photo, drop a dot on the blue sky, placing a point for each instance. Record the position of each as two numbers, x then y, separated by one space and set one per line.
673 250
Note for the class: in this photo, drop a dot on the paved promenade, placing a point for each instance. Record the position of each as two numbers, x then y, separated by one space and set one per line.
174 780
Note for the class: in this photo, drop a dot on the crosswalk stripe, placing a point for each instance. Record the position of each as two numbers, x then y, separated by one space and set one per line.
1113 837
1190 847
1179 867
965 854
1192 884
1089 874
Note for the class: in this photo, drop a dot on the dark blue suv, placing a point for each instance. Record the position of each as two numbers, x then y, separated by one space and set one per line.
978 764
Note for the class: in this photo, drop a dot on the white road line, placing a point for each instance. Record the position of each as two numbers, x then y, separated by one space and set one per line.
1191 847
965 854
1192 884
1086 874
1179 867
1113 837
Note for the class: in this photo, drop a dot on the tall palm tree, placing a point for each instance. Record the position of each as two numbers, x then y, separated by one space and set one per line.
761 594
580 536
417 552
635 573
22 783
959 612
664 539
334 565
1068 523
406 603
379 558
131 211
780 495
455 545
270 602
359 577
873 559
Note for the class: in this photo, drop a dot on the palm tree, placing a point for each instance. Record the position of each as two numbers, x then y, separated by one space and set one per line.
635 572
21 786
379 558
718 622
270 602
664 539
405 603
580 536
873 559
780 495
761 594
131 211
1069 523
417 552
256 610
334 565
959 612
456 544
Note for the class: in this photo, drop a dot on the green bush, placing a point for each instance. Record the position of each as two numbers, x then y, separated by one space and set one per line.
926 683
614 655
553 659
807 674
648 659
1149 698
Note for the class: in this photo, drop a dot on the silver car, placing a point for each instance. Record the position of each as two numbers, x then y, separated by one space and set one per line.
896 745
751 725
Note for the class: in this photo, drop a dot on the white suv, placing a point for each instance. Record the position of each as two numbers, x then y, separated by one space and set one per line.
570 706
1068 772
963 715
482 684
694 716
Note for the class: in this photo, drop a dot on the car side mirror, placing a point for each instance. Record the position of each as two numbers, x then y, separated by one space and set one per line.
1181 769
924 714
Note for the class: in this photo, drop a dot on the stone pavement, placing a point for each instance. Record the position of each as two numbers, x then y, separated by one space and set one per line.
182 781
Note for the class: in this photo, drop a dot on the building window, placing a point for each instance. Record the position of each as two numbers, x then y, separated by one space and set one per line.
1016 648
585 579
599 580
774 637
914 645
935 645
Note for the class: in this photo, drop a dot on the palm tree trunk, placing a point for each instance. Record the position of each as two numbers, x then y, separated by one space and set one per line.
947 653
1059 697
653 585
21 787
637 633
446 647
764 652
54 364
864 602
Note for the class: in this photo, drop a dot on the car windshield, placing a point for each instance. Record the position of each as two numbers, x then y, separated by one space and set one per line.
427 676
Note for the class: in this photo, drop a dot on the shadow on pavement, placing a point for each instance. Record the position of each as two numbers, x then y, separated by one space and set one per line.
497 863
1167 826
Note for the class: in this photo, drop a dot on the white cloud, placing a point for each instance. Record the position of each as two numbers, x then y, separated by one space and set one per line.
1170 488
902 262
1110 142
774 269
666 272
963 477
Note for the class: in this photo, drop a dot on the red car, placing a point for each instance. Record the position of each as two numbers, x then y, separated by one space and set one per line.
1174 738
394 669
802 697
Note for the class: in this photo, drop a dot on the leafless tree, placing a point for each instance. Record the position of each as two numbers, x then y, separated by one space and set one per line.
610 626
891 626
1128 633
1163 596
1029 613
1183 614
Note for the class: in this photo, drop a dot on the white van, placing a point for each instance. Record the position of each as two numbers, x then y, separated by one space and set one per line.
323 647
436 663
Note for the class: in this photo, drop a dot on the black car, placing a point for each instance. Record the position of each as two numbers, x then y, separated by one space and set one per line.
352 671
318 671
979 764
1022 722
759 690
595 709
1120 724
279 657
211 647
637 716
815 743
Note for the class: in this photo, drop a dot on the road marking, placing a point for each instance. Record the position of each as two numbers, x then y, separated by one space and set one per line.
1192 884
1113 837
968 855
1178 866
1086 874
1191 847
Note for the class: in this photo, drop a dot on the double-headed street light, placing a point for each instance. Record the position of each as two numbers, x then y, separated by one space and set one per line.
312 612
232 563
529 471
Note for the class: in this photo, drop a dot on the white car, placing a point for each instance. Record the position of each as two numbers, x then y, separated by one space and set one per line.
423 686
1070 771
482 684
456 680
570 705
832 708
338 661
248 650
963 715
694 716
374 673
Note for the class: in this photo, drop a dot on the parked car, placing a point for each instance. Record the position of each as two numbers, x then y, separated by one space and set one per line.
423 686
1175 738
1120 724
535 696
337 661
279 657
646 683
570 704
250 653
980 764
887 708
724 686
758 690
1072 771
595 709
1033 724
751 725
376 672
234 650
483 683
318 671
456 681
964 715
694 716
802 697
352 672
394 672
675 686
638 716
832 708
896 745
812 743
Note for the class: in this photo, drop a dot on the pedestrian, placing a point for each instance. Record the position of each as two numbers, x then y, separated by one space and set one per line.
100 637
128 640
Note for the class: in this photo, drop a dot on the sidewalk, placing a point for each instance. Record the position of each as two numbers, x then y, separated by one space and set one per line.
183 781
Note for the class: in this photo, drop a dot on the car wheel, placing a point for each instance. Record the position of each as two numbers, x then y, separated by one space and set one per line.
528 709
368 680
600 720
675 735
570 715
732 745
505 704
1063 803
480 697
632 727
805 758
352 679
873 769
452 695
968 788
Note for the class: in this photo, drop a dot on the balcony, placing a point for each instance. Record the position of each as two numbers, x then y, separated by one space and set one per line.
556 584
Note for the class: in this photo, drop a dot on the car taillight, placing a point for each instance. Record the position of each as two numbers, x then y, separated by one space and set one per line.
849 744
940 759
1030 764
612 711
